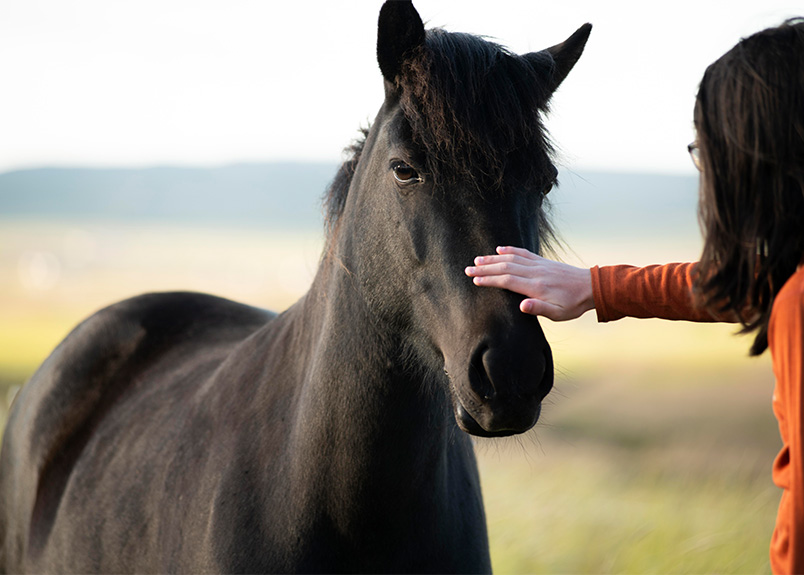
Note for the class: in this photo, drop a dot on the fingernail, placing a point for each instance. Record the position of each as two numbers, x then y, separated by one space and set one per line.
479 260
469 270
526 306
477 281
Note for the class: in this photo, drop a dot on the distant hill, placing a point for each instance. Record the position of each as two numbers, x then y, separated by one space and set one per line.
288 195
614 205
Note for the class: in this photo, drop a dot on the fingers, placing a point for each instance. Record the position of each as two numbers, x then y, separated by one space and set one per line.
508 253
495 260
510 282
504 264
515 269
522 252
499 268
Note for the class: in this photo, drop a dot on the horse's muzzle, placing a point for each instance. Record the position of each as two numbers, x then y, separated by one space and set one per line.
502 391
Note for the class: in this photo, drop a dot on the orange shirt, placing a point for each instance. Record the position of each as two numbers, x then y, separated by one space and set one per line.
666 292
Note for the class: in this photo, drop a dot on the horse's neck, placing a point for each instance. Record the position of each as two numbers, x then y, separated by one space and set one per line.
363 371
364 414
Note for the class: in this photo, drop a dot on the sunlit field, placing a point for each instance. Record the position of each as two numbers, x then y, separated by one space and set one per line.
653 454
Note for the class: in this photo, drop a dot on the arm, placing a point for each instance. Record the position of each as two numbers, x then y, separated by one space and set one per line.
657 291
561 292
786 342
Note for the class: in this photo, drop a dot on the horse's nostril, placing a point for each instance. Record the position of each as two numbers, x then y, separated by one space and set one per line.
506 385
500 373
480 373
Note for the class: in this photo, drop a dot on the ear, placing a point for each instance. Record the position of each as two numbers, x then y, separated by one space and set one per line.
558 60
399 30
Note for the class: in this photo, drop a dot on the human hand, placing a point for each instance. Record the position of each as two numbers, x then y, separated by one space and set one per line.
554 290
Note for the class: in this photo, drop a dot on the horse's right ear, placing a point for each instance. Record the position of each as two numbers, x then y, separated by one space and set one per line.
399 30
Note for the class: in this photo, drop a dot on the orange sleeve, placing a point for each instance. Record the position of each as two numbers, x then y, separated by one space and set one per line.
658 291
786 343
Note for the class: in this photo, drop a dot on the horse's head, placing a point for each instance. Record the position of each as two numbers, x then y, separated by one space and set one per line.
456 163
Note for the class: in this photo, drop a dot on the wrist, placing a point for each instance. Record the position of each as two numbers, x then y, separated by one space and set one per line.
588 302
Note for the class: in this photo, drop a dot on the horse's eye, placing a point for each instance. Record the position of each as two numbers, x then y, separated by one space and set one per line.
404 174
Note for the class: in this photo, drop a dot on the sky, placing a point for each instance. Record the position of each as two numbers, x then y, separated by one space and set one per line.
119 83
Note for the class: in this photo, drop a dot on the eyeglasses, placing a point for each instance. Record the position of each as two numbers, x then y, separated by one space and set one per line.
695 154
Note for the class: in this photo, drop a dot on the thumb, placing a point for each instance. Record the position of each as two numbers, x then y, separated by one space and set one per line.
538 307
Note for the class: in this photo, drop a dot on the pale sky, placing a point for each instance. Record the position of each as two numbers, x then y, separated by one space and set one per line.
213 82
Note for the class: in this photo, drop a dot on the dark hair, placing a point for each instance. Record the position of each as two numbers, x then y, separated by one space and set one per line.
749 116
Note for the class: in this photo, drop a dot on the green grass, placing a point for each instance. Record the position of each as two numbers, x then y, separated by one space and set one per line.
631 475
595 511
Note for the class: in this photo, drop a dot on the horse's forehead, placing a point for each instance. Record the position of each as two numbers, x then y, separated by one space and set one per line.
398 130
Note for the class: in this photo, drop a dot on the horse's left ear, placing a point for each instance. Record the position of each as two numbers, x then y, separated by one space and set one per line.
400 29
561 58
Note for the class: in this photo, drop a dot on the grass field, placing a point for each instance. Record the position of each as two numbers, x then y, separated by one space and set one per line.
653 454
628 474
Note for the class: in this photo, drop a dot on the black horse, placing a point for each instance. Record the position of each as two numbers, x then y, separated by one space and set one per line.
183 432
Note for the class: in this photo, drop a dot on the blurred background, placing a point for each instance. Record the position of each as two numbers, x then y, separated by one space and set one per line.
179 145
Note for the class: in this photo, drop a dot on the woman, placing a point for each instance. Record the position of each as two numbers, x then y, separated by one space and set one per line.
749 118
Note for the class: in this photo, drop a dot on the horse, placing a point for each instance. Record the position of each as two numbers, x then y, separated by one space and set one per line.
182 432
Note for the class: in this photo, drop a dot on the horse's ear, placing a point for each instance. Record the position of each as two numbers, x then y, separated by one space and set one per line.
558 60
399 30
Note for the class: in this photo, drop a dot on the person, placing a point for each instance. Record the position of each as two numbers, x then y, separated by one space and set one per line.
749 121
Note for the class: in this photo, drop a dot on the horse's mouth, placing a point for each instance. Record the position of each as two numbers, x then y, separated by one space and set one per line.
468 422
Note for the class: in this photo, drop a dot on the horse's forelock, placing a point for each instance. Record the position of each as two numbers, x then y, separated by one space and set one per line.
473 106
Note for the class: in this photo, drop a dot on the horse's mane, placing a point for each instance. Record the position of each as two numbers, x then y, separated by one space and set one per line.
476 111
335 197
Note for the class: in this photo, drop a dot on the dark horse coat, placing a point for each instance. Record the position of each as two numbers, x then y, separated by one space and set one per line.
183 432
